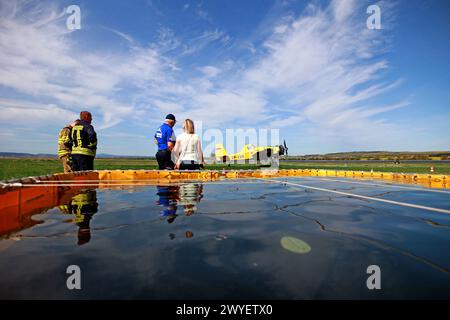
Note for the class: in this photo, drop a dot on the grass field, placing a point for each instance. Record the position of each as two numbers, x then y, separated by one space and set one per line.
18 168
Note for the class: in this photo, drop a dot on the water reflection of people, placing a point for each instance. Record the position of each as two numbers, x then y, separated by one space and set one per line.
83 206
190 195
188 234
186 195
168 197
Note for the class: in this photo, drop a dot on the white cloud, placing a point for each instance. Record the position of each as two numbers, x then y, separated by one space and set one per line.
202 13
282 28
168 107
209 71
240 107
167 41
206 38
343 9
287 122
24 112
124 36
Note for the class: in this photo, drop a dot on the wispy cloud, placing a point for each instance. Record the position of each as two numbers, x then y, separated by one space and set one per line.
206 38
202 12
210 71
22 112
124 36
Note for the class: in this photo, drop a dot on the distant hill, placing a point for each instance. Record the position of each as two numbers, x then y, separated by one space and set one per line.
106 155
26 155
47 155
377 155
355 155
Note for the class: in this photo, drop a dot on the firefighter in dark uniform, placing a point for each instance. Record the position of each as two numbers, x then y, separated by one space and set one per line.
65 146
84 140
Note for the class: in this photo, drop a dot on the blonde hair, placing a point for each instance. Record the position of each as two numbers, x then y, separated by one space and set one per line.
188 126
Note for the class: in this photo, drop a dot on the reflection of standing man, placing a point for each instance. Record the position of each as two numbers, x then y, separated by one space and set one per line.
83 206
168 198
65 145
165 139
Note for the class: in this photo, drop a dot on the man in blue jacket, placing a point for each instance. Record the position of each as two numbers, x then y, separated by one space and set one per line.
165 139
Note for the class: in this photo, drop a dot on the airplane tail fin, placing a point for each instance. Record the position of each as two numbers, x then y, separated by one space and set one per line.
220 151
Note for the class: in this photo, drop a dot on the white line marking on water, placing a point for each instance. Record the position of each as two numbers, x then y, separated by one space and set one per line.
377 184
404 204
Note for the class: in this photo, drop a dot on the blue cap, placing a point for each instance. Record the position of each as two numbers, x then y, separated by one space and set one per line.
170 117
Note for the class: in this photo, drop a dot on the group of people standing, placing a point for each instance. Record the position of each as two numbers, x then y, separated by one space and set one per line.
77 145
186 149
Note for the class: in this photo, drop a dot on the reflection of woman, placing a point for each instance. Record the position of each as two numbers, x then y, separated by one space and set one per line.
190 194
188 149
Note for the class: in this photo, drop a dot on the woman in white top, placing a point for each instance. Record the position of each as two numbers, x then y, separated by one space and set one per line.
188 149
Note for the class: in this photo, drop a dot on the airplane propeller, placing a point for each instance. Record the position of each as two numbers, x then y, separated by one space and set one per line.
285 147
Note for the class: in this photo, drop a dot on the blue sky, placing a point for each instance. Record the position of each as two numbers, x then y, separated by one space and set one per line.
311 69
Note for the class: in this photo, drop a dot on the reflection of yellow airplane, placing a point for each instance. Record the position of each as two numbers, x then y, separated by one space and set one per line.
250 152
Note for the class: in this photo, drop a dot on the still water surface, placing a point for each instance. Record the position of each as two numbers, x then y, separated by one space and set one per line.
232 240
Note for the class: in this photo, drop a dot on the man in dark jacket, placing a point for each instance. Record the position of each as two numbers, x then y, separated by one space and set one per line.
84 143
165 139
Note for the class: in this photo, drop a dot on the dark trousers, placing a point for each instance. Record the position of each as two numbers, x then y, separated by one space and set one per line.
81 162
164 160
189 166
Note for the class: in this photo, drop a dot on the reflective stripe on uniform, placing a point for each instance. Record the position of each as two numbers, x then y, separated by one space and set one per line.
88 149
64 142
83 151
62 153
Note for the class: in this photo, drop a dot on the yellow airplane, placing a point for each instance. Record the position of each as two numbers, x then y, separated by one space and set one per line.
250 152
